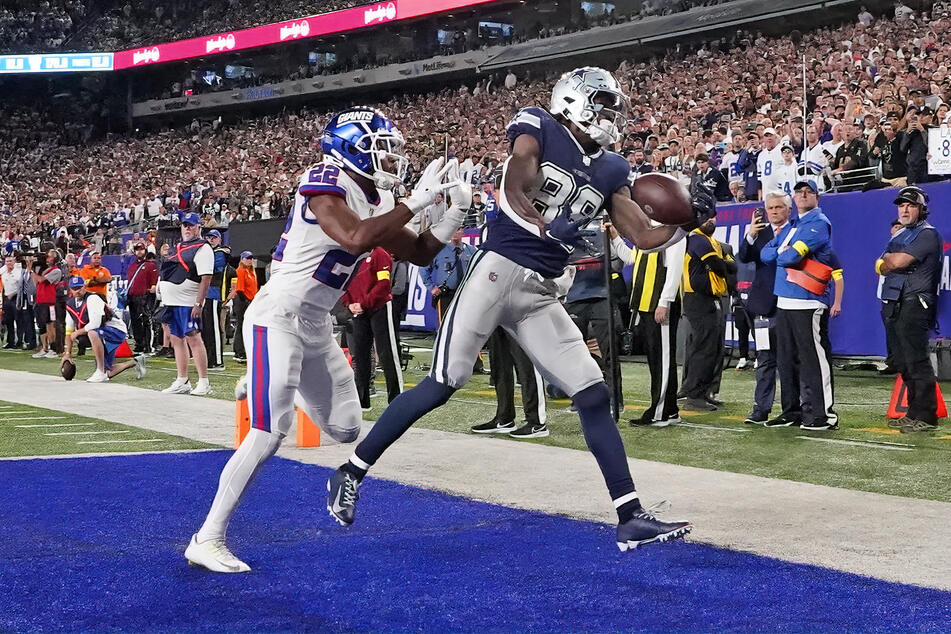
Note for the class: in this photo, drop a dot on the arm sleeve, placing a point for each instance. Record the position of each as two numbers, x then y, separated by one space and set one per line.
205 260
675 269
812 239
151 274
769 253
622 251
381 284
96 309
748 252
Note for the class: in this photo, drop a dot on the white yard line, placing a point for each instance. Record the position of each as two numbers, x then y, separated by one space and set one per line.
22 411
859 443
88 433
55 425
35 418
108 442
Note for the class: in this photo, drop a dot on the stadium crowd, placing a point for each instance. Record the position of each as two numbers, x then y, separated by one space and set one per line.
719 100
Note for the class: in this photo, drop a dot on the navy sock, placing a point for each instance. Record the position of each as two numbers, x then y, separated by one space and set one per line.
399 416
600 433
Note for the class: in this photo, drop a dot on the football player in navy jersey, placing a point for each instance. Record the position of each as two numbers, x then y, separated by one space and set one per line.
560 176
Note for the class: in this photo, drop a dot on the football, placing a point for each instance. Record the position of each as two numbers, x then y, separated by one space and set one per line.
663 198
68 369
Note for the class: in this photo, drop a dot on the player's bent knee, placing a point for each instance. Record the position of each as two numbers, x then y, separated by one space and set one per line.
344 435
592 396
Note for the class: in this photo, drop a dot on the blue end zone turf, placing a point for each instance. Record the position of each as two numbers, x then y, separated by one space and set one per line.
96 545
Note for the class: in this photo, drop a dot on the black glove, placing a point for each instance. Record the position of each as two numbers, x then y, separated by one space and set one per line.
704 207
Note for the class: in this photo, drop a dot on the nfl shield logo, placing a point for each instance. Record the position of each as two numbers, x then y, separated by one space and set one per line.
493 276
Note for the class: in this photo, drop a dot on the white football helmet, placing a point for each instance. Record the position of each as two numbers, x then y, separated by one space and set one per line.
592 99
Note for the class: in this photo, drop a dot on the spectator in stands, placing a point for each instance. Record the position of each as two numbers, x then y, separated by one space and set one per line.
886 150
915 145
713 180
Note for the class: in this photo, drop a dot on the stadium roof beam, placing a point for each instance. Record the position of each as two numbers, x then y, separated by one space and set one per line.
656 29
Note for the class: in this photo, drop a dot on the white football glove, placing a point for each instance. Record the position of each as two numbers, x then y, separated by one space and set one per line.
461 196
430 184
461 192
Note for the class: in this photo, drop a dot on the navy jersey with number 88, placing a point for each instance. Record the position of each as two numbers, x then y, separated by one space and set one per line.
569 182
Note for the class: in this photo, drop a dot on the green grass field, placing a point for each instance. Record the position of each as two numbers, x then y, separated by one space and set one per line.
864 454
34 431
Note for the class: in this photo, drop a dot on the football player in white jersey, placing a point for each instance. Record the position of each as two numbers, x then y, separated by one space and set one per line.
342 210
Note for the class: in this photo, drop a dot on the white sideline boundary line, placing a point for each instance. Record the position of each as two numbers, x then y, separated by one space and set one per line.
109 455
55 425
88 433
859 443
22 411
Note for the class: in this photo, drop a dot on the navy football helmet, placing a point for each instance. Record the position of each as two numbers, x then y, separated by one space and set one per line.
364 140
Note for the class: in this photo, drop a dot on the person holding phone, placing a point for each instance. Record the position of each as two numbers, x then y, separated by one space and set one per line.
915 145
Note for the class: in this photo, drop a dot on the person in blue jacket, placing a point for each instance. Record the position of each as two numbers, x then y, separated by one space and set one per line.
805 263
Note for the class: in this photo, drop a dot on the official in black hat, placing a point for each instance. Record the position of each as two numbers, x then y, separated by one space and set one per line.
912 264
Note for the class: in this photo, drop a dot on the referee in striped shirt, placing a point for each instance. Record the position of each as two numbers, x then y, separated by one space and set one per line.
655 283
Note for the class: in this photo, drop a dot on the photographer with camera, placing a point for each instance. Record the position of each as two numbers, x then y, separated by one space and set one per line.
47 282
443 276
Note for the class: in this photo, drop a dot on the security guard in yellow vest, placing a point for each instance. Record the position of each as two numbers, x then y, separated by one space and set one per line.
704 283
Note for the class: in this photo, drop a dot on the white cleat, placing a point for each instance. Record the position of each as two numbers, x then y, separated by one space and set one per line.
40 355
51 354
140 369
178 388
214 556
241 388
98 377
202 390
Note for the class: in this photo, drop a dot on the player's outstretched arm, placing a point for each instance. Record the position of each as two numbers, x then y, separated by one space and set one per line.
355 235
632 223
520 174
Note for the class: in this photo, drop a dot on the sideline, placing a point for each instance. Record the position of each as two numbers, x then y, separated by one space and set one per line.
870 534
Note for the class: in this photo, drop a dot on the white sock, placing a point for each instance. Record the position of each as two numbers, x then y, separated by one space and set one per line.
244 464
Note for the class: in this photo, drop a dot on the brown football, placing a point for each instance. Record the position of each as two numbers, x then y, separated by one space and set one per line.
68 370
663 198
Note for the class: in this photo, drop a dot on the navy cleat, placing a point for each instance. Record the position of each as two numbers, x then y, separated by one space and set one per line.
644 528
343 490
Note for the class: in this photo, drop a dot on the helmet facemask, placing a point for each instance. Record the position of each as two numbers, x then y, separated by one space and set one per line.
608 117
385 148
592 99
